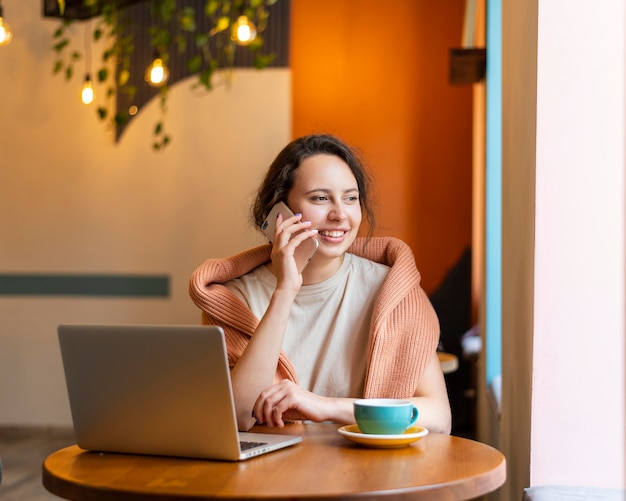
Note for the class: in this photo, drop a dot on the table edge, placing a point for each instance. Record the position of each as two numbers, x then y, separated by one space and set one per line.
68 489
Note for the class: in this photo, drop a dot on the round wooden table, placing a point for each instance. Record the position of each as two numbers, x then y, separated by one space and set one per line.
324 466
449 362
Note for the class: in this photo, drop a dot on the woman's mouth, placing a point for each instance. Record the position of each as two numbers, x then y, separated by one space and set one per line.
332 233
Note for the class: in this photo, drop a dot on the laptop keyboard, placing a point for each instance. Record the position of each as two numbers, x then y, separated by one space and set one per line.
249 445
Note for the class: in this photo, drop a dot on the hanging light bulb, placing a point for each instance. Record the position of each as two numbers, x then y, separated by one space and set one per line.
243 31
5 31
87 93
157 73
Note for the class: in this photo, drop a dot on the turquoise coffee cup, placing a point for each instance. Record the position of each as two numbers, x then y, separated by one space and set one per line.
384 416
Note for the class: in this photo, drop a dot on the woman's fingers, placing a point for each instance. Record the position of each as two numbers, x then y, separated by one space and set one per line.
292 230
287 400
272 403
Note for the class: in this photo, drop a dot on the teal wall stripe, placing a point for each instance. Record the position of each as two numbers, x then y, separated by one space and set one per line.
493 196
84 285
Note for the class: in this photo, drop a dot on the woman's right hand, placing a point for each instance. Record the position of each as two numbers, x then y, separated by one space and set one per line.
288 234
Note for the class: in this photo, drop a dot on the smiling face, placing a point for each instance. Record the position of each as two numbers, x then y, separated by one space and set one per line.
326 193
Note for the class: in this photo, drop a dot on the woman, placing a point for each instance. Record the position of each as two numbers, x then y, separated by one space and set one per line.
354 323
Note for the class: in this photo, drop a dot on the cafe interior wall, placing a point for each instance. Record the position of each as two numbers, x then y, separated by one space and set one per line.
75 202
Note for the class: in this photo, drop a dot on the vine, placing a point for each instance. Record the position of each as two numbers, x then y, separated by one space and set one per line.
171 28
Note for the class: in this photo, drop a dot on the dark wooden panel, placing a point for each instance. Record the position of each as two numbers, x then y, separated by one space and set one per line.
75 9
467 66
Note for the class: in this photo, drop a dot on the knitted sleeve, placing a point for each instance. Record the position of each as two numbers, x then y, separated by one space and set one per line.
221 307
400 348
405 330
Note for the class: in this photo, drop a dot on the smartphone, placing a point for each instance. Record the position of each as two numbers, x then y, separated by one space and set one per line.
304 252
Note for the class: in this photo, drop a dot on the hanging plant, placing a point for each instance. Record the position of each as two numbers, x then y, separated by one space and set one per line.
207 34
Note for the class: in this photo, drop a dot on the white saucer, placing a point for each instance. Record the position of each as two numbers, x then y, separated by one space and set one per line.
353 433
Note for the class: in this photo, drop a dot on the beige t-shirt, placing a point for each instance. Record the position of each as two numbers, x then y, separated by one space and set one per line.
328 327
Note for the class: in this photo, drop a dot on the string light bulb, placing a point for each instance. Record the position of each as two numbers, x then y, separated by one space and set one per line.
87 92
243 31
6 35
157 73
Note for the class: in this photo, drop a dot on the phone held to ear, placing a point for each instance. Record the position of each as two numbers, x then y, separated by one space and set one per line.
304 252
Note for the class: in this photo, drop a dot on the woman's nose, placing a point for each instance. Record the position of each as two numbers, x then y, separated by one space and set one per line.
336 212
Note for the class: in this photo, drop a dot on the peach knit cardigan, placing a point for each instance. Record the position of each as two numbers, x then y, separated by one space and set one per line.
404 331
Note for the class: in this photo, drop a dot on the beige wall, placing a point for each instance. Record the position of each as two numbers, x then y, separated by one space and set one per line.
72 201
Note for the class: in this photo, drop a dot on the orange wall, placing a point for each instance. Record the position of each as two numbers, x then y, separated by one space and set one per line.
376 74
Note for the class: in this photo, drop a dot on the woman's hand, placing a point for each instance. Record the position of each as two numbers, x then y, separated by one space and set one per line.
289 401
288 235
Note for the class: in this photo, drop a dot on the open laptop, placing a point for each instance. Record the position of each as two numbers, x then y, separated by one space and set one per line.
156 390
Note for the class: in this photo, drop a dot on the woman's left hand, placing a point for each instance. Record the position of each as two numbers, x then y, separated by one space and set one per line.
289 401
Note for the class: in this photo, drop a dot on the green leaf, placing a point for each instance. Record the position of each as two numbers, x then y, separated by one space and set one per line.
59 32
167 8
222 24
211 7
120 118
158 128
205 78
58 66
106 55
256 44
188 20
263 60
97 34
163 97
131 91
201 39
123 78
102 112
194 64
68 73
126 41
103 74
161 38
75 56
59 46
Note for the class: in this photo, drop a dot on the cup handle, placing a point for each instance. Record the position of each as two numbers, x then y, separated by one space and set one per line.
414 414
